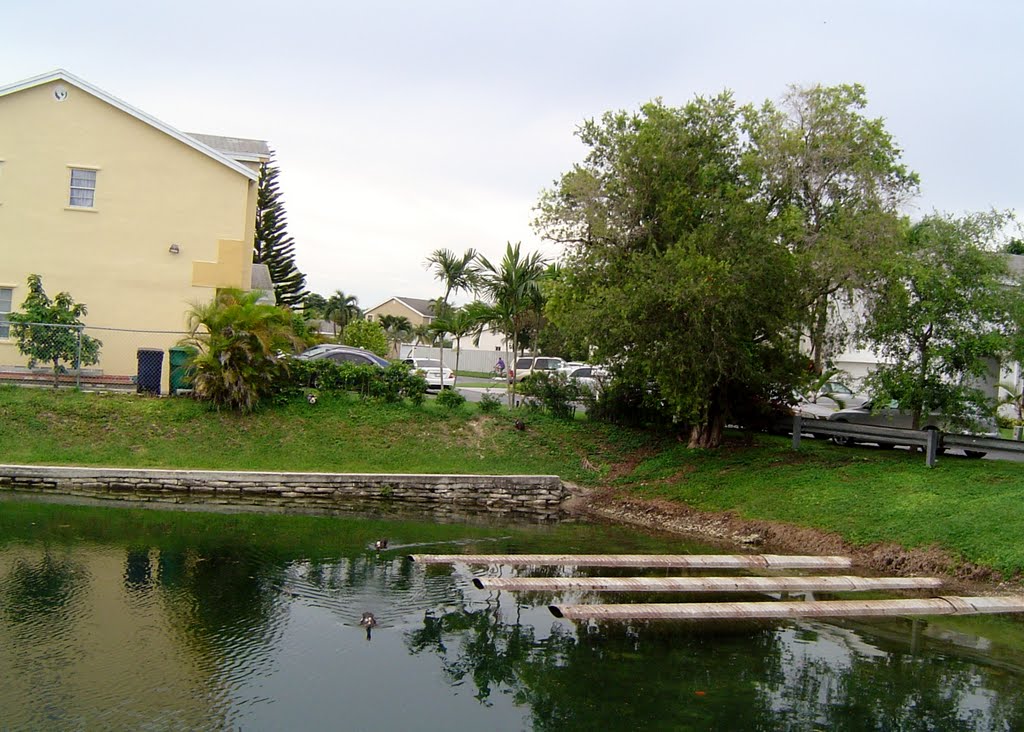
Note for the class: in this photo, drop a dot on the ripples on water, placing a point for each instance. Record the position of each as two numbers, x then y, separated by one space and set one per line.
152 631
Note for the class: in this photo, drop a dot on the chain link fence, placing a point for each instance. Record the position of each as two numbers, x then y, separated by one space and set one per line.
94 358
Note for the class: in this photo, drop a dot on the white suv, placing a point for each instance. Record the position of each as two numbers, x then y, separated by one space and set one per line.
528 364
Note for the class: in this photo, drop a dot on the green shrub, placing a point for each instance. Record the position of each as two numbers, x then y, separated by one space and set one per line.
630 403
489 403
1005 422
555 392
391 384
366 334
450 399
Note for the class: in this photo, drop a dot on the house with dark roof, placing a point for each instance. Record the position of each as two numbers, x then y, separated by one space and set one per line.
420 311
417 310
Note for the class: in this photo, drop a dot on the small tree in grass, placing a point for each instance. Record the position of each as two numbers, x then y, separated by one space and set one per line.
50 331
366 334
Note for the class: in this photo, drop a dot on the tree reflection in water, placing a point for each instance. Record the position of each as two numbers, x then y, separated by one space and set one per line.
40 587
243 625
662 675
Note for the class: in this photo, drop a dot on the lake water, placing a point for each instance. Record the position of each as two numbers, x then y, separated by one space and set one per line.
115 618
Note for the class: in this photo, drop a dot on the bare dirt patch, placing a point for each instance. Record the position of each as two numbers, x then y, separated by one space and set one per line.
625 467
729 530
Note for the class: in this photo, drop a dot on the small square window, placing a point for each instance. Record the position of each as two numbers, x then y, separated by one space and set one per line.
6 298
83 188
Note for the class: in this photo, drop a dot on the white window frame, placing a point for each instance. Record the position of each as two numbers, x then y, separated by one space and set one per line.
5 327
80 188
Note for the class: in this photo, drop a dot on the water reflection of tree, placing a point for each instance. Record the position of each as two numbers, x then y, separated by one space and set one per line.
685 676
924 694
41 591
222 594
617 677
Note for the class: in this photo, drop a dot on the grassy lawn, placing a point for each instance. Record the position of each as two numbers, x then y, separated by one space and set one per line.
337 434
973 508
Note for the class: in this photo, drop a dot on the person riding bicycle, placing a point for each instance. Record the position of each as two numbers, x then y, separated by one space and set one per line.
499 368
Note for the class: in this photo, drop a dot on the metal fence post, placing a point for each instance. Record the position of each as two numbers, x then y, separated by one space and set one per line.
797 425
932 448
78 359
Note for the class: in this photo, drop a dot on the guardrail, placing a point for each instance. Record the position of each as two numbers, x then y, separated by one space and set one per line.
933 441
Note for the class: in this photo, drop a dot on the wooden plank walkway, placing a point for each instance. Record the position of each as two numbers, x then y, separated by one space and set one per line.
815 583
765 610
785 610
675 561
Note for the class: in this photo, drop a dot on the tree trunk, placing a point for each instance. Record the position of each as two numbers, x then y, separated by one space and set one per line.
512 381
818 327
707 435
458 352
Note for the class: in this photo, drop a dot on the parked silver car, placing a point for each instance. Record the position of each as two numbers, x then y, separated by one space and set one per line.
836 395
891 415
584 375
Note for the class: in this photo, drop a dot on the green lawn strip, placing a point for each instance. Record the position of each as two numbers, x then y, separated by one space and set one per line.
973 508
338 434
969 507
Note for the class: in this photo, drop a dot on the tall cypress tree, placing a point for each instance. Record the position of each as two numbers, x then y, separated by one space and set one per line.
273 247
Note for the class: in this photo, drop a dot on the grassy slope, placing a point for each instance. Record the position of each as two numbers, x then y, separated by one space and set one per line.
973 508
341 434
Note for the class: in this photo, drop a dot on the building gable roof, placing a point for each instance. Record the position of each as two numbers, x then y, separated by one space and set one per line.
236 148
193 142
416 304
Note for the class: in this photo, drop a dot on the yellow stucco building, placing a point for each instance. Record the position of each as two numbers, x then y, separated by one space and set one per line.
134 218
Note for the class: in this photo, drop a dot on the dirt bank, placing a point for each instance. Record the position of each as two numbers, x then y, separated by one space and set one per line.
728 529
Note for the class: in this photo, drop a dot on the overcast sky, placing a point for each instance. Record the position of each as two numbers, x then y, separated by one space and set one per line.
403 127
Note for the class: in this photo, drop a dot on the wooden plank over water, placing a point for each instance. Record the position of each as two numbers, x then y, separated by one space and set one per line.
676 561
785 610
707 584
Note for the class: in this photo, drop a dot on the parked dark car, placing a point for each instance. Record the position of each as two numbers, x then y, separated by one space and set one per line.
343 354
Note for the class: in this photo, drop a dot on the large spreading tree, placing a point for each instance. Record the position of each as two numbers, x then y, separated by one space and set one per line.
833 178
273 246
674 269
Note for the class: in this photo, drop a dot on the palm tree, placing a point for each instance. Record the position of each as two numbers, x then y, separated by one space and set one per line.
423 334
238 341
461 323
397 328
342 309
514 288
457 273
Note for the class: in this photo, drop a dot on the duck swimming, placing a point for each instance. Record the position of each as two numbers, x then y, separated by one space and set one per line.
369 622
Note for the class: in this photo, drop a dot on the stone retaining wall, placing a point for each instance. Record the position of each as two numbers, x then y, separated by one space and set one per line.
534 495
